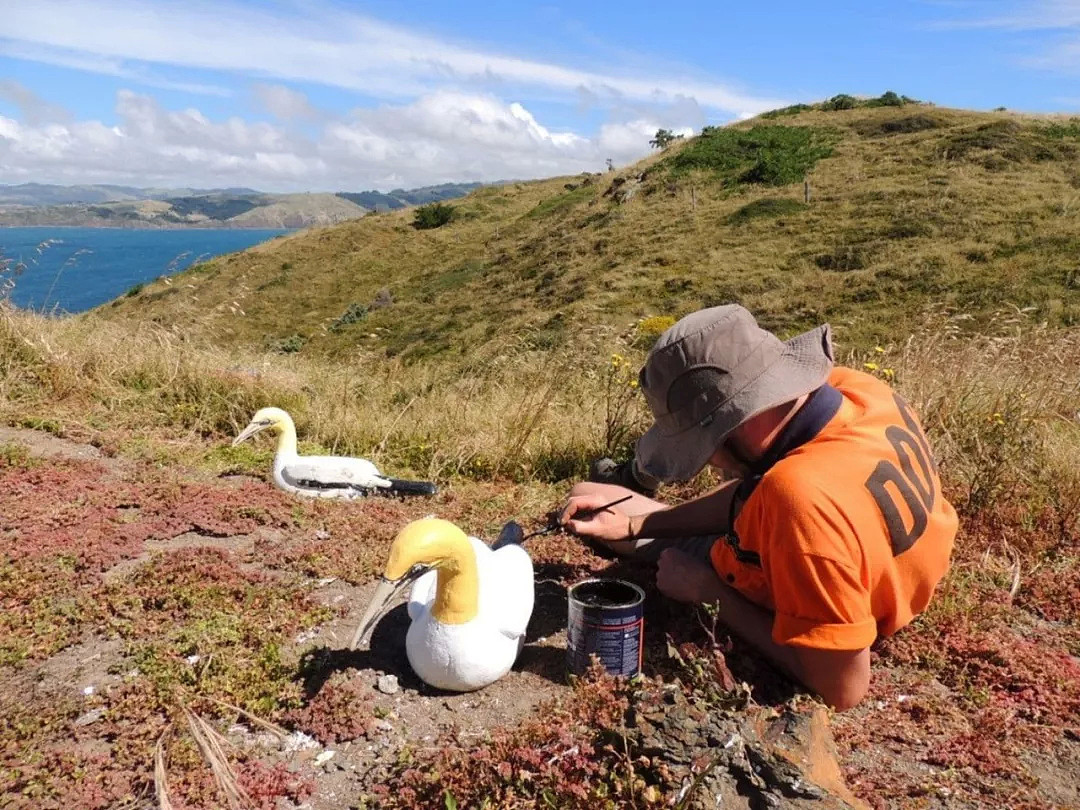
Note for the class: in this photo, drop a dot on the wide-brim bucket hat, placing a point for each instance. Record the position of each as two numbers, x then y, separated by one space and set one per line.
712 371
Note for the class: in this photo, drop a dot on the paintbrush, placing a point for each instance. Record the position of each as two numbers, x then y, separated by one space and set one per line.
506 536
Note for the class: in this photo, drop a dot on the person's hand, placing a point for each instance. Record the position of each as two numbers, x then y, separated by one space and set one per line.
610 525
686 579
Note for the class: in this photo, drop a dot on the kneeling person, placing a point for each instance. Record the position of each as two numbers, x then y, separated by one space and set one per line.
833 530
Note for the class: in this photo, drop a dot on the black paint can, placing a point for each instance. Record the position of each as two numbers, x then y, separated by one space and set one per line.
606 618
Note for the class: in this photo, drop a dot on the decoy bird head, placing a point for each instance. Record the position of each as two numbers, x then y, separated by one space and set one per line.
273 419
418 548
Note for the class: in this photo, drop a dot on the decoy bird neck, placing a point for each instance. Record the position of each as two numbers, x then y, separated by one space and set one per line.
457 591
286 443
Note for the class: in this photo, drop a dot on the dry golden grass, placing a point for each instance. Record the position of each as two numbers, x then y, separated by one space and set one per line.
1001 407
524 414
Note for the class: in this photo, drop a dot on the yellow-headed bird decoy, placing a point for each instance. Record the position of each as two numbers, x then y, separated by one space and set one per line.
469 606
323 476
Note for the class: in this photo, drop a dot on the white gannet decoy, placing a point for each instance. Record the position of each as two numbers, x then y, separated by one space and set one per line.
323 476
469 606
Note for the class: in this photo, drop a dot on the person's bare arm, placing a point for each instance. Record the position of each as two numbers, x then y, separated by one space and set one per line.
706 514
840 677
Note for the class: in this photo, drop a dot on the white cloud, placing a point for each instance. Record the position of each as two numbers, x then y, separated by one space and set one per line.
442 136
33 109
106 66
1020 16
322 44
284 103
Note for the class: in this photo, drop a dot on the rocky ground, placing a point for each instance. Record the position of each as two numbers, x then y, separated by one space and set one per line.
155 616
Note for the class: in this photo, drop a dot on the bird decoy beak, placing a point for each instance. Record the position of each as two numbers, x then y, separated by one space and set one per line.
384 594
248 432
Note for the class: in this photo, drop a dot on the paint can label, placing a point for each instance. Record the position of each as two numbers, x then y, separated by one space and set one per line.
614 633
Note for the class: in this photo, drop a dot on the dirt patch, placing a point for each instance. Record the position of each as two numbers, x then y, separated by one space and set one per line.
1057 773
45 445
419 713
85 669
242 544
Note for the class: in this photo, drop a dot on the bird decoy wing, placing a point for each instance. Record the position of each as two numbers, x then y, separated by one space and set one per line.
510 586
332 472
422 594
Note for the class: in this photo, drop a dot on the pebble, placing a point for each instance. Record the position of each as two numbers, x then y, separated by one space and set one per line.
88 691
297 741
91 716
387 684
324 757
307 635
383 725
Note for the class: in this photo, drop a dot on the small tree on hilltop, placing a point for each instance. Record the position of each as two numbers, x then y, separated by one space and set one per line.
432 215
663 138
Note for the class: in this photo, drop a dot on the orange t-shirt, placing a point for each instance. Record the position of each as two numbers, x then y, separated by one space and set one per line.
845 537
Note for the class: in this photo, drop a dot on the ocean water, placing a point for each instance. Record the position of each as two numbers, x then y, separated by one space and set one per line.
76 269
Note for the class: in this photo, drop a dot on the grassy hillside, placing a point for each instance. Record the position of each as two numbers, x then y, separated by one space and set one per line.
910 205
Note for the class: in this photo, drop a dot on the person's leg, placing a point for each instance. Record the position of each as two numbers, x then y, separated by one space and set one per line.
644 548
628 474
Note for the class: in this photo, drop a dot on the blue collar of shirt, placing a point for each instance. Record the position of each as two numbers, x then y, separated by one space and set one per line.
808 422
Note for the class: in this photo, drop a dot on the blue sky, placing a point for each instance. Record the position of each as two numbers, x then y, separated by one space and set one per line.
316 95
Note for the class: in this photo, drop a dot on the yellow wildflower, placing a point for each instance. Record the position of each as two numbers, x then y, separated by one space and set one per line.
870 366
879 350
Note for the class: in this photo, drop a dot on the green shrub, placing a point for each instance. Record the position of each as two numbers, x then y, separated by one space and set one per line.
769 154
1062 131
132 292
433 215
840 102
354 314
794 109
289 345
886 99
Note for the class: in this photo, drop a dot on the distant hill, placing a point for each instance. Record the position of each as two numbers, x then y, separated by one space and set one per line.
122 206
42 194
910 206
400 198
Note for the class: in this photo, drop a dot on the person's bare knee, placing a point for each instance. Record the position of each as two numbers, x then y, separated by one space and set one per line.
593 488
